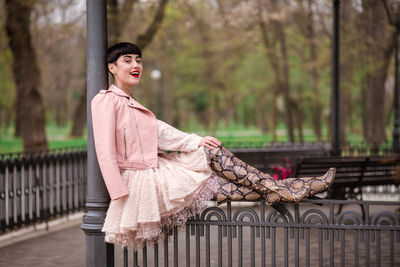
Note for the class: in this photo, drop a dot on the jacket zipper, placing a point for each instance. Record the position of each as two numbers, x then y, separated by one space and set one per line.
126 157
137 130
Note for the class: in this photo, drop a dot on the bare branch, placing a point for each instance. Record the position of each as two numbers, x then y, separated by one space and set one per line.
145 38
125 11
118 16
392 21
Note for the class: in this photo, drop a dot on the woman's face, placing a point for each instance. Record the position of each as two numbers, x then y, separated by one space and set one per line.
127 70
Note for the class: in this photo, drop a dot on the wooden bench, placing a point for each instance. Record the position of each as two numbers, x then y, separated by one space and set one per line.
352 173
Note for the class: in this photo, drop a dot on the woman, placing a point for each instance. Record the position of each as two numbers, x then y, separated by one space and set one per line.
149 189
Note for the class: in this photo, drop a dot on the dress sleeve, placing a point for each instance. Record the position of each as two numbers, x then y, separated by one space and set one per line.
170 138
103 118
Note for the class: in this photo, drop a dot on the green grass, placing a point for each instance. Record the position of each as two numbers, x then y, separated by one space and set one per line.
231 136
57 138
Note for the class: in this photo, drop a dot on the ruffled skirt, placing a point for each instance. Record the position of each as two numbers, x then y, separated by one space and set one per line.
160 197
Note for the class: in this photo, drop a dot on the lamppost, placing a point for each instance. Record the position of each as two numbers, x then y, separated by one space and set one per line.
335 138
156 75
396 121
98 253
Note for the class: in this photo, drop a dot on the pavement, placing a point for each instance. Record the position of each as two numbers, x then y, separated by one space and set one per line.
60 245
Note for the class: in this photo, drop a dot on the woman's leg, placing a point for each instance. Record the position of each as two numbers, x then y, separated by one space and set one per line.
226 165
230 191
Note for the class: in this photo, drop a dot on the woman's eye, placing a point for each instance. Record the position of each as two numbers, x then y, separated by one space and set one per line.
138 61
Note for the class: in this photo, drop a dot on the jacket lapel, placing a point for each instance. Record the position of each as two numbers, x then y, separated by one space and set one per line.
134 104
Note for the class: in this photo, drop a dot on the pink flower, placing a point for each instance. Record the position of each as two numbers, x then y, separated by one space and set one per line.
282 172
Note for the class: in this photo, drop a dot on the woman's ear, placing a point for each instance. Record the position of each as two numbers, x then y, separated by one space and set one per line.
111 67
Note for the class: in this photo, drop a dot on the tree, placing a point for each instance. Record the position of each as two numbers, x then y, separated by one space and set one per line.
118 16
346 67
377 50
209 70
306 23
30 115
281 65
79 118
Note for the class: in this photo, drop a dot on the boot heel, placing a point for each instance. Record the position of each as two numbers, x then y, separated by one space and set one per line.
279 207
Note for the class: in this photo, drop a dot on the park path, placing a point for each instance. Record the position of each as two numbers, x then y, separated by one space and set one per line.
64 247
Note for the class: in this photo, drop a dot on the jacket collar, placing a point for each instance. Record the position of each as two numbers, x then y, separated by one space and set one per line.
118 91
132 101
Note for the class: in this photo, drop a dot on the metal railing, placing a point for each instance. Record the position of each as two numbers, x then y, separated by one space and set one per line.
313 234
256 144
36 187
60 150
366 149
354 148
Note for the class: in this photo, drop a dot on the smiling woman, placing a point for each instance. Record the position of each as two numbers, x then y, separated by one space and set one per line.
124 62
149 189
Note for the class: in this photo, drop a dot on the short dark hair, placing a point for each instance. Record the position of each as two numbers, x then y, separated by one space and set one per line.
120 49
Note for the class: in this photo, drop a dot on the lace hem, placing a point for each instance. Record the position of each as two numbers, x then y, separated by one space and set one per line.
151 232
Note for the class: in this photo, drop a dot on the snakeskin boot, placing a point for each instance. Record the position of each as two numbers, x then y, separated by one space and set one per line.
229 191
226 165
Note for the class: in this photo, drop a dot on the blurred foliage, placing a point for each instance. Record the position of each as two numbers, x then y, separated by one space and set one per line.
7 86
213 62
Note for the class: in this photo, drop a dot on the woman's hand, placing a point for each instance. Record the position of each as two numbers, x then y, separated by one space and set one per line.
210 142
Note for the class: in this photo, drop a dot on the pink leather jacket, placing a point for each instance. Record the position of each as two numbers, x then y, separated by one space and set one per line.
128 136
125 135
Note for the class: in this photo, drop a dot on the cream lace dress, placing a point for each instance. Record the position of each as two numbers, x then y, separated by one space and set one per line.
162 197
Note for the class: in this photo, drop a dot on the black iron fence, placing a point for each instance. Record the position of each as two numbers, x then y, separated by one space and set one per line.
313 234
36 187
366 149
266 144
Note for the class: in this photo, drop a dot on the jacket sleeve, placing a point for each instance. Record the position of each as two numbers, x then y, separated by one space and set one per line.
103 117
170 138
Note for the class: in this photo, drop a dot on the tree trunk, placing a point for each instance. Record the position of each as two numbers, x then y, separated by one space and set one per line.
278 68
262 113
316 117
379 44
113 25
79 118
29 105
299 123
17 121
285 86
346 70
365 106
275 115
298 113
